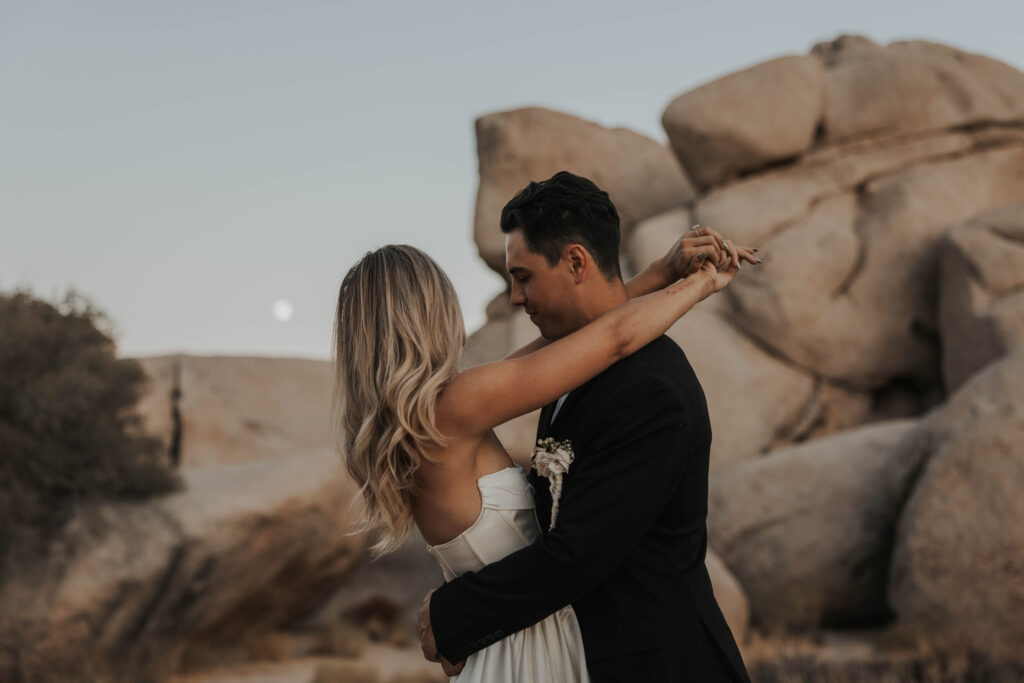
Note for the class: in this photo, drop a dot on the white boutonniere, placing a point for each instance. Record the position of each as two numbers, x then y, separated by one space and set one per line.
551 459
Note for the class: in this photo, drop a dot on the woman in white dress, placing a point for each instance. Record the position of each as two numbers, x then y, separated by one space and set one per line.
416 433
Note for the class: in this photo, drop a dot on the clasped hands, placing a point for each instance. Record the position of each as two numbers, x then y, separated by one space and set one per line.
703 248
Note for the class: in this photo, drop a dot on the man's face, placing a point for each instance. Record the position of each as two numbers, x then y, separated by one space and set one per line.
547 293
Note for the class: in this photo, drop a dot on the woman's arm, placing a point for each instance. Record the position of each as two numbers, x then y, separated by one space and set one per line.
682 259
488 395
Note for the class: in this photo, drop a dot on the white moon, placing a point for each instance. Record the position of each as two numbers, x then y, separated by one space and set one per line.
282 310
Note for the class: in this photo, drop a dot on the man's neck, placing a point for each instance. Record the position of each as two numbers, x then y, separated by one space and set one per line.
604 298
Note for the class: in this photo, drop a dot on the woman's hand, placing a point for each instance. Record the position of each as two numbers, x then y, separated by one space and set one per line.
718 278
703 245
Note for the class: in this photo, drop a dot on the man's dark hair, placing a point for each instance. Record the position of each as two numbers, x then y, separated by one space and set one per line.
562 210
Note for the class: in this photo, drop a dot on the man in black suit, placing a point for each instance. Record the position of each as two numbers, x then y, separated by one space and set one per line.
627 551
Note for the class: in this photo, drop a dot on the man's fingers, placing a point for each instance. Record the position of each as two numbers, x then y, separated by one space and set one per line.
427 644
452 669
429 648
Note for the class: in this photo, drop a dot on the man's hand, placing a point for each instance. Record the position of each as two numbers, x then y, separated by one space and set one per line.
427 643
452 669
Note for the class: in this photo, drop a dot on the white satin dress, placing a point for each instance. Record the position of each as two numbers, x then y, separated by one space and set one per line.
550 650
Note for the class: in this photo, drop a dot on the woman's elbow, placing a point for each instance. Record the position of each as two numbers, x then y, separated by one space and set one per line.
624 340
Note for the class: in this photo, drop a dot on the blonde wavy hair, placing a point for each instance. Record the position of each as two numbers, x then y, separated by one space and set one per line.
398 337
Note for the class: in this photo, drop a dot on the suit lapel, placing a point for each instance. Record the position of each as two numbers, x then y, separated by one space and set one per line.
570 401
544 423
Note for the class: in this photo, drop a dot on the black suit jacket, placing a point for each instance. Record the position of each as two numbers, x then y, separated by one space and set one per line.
629 545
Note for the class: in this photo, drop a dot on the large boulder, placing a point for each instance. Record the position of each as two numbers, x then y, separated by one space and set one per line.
234 409
751 396
652 237
126 589
747 120
837 316
981 292
516 147
958 560
755 208
729 595
806 529
912 87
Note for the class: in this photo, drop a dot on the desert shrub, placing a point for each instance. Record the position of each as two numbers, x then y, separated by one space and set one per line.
69 429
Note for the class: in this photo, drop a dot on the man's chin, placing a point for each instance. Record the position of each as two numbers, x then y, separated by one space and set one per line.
549 334
546 330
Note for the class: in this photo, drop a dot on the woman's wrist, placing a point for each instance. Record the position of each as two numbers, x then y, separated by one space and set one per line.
706 280
652 278
665 272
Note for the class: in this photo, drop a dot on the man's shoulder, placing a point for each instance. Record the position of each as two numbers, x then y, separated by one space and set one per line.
659 359
660 365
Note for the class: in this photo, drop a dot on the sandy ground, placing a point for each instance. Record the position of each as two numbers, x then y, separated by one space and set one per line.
388 662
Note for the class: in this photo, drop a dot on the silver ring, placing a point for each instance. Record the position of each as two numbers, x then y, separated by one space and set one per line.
696 229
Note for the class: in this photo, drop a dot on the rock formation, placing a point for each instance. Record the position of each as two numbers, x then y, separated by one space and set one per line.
958 562
128 588
884 186
238 409
981 295
850 206
807 530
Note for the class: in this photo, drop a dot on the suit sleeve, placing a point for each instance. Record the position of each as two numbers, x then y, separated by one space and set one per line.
636 452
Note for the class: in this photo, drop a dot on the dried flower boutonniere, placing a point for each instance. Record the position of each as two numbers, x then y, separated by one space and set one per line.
551 459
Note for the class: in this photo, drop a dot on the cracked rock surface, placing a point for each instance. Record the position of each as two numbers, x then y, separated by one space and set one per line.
981 294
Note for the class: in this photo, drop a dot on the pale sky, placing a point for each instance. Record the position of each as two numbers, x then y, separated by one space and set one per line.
187 164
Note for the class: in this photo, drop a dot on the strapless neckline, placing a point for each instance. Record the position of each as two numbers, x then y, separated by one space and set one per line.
480 483
506 523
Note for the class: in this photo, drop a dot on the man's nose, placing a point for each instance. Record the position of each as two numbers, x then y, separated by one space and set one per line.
516 296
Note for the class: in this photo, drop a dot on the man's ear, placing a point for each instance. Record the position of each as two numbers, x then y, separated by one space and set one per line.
578 260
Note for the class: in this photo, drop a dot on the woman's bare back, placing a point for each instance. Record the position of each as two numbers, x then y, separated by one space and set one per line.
447 500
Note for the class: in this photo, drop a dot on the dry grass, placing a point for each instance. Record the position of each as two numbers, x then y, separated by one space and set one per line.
343 639
269 647
889 656
420 677
345 672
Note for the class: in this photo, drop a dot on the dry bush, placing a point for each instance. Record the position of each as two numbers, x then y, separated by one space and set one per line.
69 430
